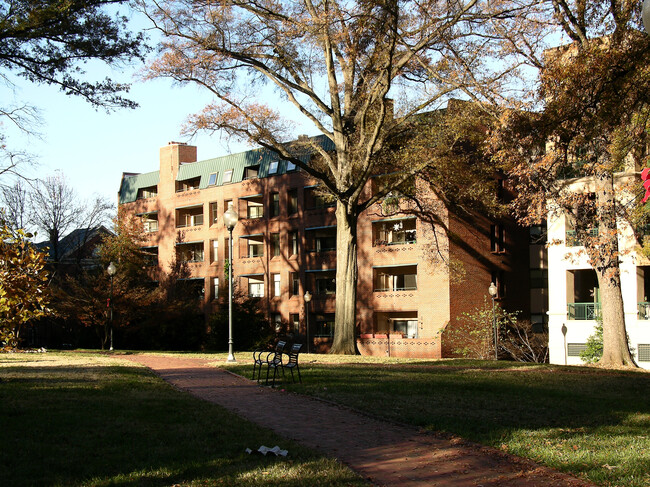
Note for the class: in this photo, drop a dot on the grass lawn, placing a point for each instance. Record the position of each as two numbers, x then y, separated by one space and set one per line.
592 423
73 419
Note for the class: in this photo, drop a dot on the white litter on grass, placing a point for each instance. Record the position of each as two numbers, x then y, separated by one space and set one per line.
264 450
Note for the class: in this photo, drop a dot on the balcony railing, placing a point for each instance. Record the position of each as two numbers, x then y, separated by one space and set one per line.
572 239
583 311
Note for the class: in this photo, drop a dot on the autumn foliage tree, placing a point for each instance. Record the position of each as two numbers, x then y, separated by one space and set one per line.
340 65
570 157
23 284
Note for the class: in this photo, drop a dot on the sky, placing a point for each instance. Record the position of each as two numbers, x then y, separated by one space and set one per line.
93 148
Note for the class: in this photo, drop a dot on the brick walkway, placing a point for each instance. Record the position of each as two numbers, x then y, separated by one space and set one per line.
385 453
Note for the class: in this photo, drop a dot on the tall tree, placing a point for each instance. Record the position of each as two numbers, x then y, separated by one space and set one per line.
47 42
55 208
14 200
339 64
595 95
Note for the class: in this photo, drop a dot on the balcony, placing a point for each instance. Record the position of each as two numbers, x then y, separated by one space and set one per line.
572 239
396 278
321 239
190 252
583 311
189 217
394 232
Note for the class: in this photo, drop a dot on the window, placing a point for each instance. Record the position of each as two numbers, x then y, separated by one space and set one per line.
188 184
294 320
226 248
189 217
315 198
149 192
394 232
255 245
227 177
255 287
190 252
150 222
497 238
227 204
273 167
150 256
408 328
295 283
275 245
214 251
537 234
324 326
251 172
275 204
402 278
291 166
276 285
276 321
255 208
538 278
321 239
497 278
293 243
326 284
292 203
212 179
215 288
214 213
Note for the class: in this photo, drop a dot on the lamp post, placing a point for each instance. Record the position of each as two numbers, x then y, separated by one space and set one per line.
230 219
111 270
493 293
307 299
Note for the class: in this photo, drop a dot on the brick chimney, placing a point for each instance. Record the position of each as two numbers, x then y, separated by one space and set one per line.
171 157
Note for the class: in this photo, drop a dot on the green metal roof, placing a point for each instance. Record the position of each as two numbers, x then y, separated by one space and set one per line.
131 185
203 169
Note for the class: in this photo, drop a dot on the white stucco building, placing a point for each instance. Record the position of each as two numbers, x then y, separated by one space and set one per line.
573 295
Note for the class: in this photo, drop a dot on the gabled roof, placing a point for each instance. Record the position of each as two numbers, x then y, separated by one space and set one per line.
75 240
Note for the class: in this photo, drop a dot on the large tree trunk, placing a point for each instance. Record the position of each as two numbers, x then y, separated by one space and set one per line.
346 279
605 258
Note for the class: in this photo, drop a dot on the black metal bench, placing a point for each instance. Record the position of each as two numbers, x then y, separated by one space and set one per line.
284 360
261 357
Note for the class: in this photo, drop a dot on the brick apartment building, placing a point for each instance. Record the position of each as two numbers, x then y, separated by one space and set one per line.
284 245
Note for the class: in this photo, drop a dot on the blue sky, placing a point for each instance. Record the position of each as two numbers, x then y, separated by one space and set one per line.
93 148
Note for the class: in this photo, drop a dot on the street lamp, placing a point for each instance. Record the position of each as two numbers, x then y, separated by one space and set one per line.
307 299
230 219
111 269
493 293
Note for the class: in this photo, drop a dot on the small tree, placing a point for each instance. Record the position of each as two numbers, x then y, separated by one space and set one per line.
594 346
23 284
472 336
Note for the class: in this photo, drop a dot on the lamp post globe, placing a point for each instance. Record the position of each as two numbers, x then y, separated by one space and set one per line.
230 218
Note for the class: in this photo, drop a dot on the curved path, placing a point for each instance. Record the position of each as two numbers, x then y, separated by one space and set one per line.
385 453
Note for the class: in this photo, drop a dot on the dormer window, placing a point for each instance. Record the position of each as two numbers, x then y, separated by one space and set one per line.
227 176
251 172
273 167
290 166
212 179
